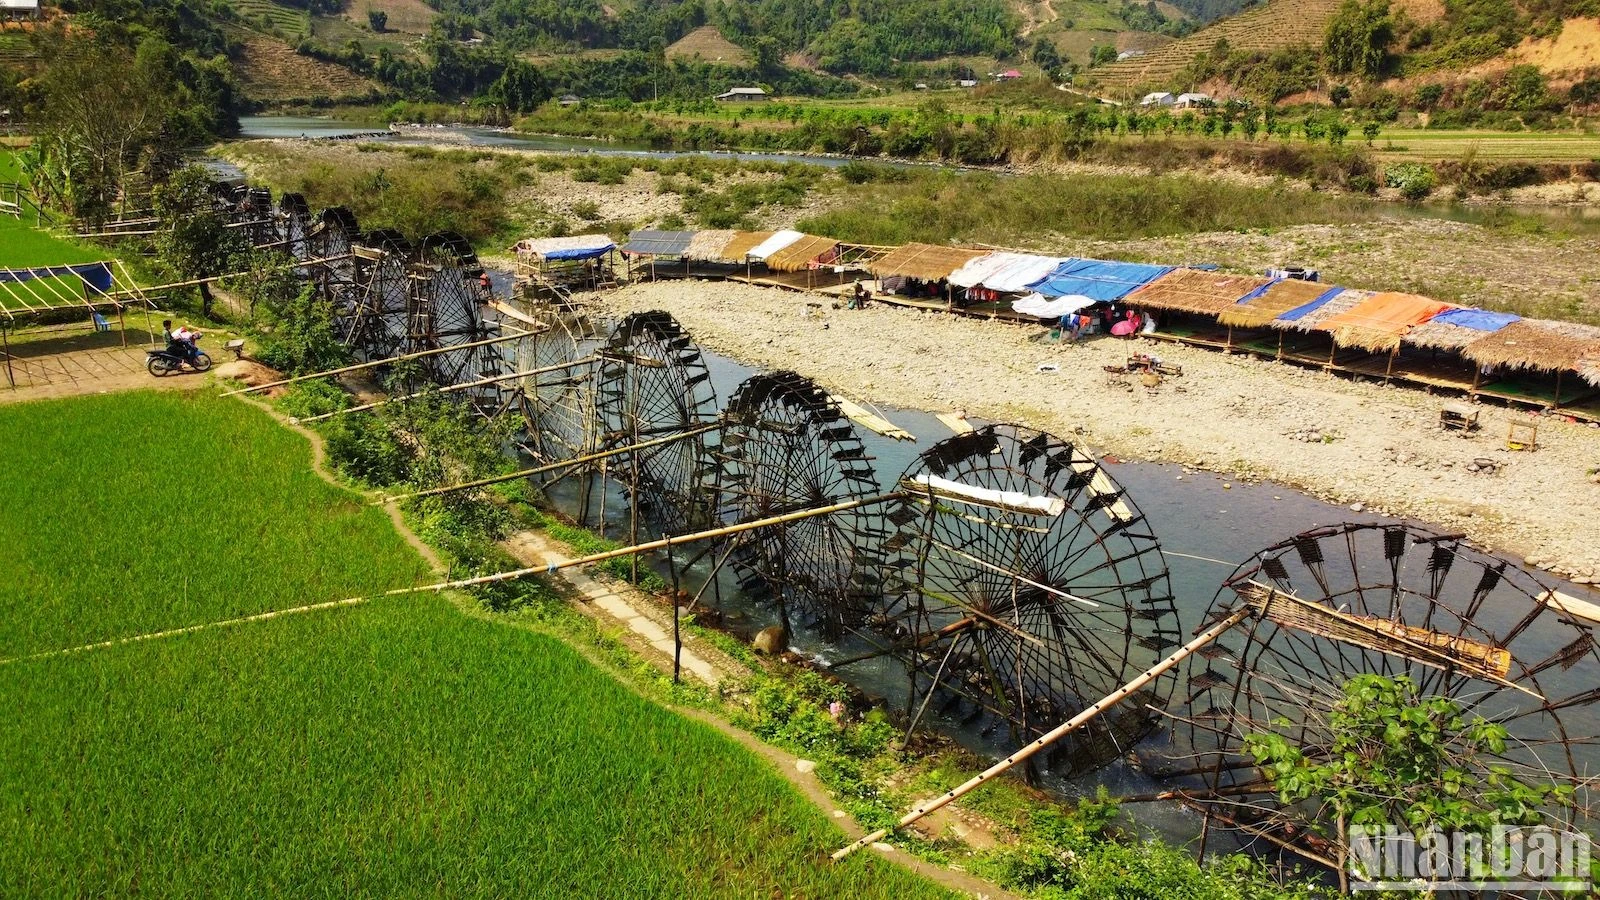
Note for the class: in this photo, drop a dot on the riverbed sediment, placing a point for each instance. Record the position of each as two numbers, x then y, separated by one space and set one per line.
1343 441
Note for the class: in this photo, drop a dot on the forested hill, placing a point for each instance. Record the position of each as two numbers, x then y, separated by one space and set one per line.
868 36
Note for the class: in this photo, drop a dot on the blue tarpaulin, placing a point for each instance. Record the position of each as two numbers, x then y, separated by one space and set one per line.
1476 319
1097 279
580 253
1306 309
96 275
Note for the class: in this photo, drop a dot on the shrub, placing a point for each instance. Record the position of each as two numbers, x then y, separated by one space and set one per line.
1414 180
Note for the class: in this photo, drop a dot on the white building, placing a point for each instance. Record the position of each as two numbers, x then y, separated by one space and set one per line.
19 9
1192 101
1129 54
1159 98
745 94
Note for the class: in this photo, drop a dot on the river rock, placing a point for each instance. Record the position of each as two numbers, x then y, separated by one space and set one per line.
804 766
1358 507
770 640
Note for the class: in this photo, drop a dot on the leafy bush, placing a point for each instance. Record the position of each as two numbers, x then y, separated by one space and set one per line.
1414 180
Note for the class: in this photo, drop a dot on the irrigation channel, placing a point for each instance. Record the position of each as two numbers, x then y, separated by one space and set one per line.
992 581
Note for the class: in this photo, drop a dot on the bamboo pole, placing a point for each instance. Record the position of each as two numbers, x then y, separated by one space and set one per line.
1060 731
447 389
194 282
551 467
381 362
592 558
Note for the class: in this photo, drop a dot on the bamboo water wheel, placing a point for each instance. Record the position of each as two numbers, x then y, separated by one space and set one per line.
1399 601
557 406
653 382
1023 584
787 447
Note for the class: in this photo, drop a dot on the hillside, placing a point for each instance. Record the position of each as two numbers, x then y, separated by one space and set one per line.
269 71
708 44
1275 24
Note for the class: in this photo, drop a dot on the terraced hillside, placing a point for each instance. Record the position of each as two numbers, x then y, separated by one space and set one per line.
708 44
269 70
1277 23
284 19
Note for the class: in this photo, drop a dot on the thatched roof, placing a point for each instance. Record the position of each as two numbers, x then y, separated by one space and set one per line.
928 262
1195 291
802 253
1456 328
742 243
1536 344
1377 323
1339 303
1589 367
707 246
1277 299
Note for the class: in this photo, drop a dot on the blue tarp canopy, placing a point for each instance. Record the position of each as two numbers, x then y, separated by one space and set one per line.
1476 319
1097 279
578 253
97 275
1306 309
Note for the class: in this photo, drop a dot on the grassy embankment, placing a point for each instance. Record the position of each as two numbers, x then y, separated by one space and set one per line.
22 245
397 747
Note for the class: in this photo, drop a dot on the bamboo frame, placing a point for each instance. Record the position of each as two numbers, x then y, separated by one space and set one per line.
381 362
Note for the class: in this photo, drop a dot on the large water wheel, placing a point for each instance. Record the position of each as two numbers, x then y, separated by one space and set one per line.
653 383
1456 627
787 448
1024 584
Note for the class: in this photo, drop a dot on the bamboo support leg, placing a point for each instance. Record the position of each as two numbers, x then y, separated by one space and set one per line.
1060 731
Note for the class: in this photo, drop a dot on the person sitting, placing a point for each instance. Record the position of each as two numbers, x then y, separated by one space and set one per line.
859 301
166 332
184 340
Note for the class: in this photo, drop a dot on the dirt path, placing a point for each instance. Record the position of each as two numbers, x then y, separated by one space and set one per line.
1342 441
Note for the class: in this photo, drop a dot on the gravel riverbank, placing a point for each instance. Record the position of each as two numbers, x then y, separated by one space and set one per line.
1343 441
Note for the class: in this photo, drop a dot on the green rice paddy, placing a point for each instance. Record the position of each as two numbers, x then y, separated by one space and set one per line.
399 747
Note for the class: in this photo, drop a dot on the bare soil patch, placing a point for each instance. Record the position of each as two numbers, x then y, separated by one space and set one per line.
270 70
707 43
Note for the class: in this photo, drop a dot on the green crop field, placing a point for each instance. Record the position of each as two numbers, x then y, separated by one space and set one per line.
398 748
288 20
1499 146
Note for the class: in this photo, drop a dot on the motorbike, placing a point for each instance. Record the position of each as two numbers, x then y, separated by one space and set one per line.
173 359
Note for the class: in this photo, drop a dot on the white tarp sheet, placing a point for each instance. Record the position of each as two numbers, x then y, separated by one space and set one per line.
775 243
1014 500
980 268
1016 278
1045 308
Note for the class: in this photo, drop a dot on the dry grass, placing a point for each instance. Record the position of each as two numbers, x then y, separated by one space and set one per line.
707 43
406 16
270 70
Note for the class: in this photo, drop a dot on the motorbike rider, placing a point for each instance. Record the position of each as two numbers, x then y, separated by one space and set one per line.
183 342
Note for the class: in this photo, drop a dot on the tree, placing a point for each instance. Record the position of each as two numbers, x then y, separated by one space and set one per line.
769 57
1358 38
101 112
193 239
520 88
378 19
1101 54
1370 132
1046 56
1339 95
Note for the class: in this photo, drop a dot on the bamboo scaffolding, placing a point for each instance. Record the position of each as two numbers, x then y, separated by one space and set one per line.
381 362
494 379
1060 731
552 467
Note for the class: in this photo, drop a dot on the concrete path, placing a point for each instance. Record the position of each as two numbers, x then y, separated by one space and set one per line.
534 548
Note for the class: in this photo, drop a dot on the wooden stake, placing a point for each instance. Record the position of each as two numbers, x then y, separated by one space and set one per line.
1060 731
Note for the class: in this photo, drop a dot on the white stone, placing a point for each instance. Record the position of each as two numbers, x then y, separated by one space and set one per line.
804 766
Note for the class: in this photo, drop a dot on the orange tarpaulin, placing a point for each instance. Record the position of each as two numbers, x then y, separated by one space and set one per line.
1378 323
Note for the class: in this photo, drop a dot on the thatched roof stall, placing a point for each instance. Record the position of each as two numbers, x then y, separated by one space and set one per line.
1007 273
1537 344
707 246
925 262
1456 328
1330 303
1377 323
1098 279
1195 291
770 246
650 242
804 253
1263 305
743 242
578 246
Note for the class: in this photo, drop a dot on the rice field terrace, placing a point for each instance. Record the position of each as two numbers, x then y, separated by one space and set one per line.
406 746
1277 23
1551 147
